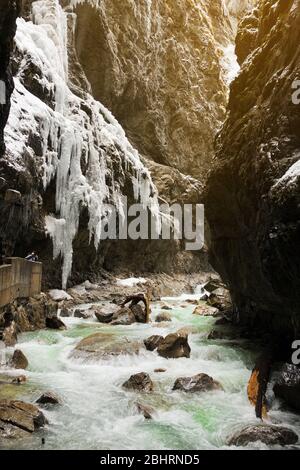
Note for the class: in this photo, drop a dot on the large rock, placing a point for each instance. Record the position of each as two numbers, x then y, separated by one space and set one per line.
139 382
163 317
139 313
9 335
84 314
287 386
104 313
18 360
49 398
205 310
269 435
55 323
153 342
252 197
30 314
21 415
175 345
101 346
220 299
146 411
65 312
198 383
124 316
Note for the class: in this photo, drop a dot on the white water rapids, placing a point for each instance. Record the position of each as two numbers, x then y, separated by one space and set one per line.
97 413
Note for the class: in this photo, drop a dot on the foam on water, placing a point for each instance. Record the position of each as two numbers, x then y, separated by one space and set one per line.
97 413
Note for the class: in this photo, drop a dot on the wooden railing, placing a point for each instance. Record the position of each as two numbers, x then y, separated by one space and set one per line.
19 279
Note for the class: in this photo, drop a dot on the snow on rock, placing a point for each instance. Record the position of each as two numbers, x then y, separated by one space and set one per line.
291 176
82 144
229 63
58 295
131 281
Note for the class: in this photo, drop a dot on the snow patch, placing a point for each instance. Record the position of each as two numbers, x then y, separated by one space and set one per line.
230 63
58 295
131 281
291 176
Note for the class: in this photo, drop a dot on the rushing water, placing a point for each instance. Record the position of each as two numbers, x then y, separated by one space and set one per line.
98 414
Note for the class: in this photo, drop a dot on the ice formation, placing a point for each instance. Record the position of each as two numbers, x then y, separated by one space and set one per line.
230 63
73 131
131 281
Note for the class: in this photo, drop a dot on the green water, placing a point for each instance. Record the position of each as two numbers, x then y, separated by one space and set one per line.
97 413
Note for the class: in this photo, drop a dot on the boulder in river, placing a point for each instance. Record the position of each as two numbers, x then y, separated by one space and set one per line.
139 382
65 312
55 323
101 346
84 314
146 411
20 379
104 313
153 342
220 299
287 386
18 360
166 307
139 313
197 383
162 317
9 335
49 398
206 310
227 332
20 415
213 284
124 316
265 433
175 345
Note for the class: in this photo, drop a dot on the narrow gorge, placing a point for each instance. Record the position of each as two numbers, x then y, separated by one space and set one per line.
106 105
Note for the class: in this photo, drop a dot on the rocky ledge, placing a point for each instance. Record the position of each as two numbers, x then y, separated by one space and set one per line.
18 419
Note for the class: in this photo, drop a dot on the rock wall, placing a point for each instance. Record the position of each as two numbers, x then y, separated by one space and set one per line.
161 68
252 199
9 10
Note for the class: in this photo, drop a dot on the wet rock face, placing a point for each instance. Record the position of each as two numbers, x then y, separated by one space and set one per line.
18 418
19 360
27 315
139 382
163 317
287 386
269 435
175 345
49 398
100 346
198 383
153 342
157 66
9 10
252 198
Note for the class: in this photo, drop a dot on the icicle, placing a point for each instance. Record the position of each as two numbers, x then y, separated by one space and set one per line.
69 136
